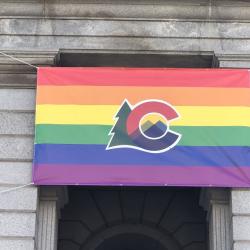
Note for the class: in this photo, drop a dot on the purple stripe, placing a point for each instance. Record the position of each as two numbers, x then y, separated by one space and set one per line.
46 174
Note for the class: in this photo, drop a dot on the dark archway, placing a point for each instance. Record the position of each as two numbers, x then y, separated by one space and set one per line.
131 241
132 236
98 218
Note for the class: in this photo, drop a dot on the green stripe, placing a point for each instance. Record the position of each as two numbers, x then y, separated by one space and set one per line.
98 134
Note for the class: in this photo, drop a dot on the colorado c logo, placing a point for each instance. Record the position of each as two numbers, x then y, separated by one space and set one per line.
144 127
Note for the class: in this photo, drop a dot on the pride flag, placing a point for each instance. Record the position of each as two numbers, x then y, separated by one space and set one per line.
139 126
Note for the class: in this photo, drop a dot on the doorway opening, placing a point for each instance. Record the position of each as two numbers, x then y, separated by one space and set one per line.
131 218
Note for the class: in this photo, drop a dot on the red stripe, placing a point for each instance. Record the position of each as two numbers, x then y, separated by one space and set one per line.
144 77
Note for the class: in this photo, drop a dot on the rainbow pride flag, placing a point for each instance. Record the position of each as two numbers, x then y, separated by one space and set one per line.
144 127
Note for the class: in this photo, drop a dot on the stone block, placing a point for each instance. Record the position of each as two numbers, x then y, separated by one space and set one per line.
18 173
16 8
16 244
17 99
19 80
241 228
24 199
241 245
16 123
16 148
241 201
17 224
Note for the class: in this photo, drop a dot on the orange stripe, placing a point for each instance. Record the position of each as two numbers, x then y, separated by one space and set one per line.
109 95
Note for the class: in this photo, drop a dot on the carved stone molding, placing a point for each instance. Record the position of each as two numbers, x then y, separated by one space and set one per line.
234 60
14 74
216 202
139 9
51 200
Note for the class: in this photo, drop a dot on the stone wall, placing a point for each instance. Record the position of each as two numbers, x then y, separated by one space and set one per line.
17 208
35 30
240 220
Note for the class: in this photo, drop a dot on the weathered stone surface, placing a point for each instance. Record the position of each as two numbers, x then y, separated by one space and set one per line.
16 148
20 80
18 173
123 43
160 9
241 228
242 245
17 99
235 64
17 224
16 123
241 202
128 28
16 244
24 199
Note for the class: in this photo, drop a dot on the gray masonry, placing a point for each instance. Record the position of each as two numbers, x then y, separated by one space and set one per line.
35 30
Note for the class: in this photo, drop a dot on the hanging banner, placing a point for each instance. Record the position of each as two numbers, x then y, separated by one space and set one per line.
142 127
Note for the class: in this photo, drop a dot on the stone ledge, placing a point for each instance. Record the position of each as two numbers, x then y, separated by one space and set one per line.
147 9
14 74
124 28
19 76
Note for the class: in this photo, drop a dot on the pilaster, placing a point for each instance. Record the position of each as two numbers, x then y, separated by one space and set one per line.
216 203
51 200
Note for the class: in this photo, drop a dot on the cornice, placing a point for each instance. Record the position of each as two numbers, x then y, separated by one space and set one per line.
14 74
146 9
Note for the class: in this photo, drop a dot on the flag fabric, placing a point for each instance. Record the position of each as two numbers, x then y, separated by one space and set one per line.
142 127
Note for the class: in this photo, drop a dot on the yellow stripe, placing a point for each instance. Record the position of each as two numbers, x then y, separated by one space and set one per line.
103 114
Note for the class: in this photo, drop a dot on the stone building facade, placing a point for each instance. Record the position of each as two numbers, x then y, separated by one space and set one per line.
161 33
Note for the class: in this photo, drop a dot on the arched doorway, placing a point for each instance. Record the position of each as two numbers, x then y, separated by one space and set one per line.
132 237
132 218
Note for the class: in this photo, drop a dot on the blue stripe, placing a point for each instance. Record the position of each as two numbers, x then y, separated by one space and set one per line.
179 156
